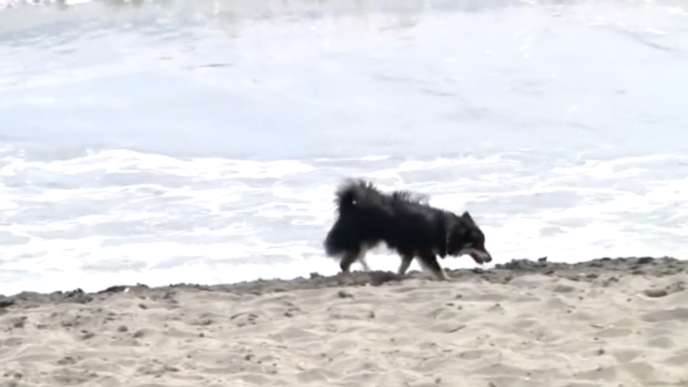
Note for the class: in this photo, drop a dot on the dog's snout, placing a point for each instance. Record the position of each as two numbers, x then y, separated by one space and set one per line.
481 256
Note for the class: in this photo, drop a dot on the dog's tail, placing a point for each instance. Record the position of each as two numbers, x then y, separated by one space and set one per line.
350 194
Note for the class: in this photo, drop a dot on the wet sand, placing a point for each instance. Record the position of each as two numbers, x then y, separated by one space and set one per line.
606 322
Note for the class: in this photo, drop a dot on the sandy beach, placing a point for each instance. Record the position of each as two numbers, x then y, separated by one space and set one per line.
607 322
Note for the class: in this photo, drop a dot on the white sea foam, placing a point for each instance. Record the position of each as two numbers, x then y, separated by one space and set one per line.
255 222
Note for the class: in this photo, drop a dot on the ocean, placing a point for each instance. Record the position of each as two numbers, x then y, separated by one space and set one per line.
201 141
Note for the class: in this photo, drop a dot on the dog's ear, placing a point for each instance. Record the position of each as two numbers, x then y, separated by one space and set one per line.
467 216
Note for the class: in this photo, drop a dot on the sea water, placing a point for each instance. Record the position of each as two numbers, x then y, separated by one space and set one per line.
201 141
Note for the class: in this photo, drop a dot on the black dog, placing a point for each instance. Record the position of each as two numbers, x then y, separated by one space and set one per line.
405 222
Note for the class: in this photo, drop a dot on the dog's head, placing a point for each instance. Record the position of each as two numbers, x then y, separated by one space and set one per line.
465 237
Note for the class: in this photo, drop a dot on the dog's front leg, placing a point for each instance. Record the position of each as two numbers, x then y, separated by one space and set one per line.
429 262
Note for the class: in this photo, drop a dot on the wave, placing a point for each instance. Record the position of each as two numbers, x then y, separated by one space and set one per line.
304 9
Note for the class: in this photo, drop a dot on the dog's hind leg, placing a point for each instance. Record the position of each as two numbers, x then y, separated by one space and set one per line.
347 260
350 257
362 260
429 262
406 260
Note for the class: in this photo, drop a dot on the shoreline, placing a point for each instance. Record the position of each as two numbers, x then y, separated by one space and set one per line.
594 270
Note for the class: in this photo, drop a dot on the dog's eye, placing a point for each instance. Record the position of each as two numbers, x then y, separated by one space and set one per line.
468 245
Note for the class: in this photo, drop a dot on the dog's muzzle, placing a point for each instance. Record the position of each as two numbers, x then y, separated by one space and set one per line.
479 256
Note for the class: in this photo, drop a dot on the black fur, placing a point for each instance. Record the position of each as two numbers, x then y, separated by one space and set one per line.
405 222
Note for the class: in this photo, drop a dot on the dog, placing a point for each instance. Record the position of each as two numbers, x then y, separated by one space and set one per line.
405 222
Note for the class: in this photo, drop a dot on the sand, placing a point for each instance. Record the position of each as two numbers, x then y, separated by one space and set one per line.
609 322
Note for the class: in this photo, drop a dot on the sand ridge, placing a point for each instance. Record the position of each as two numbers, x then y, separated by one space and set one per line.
608 322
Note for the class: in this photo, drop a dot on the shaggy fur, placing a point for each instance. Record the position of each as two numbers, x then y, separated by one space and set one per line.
405 222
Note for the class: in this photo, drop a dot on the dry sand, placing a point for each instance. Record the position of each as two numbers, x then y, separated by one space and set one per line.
620 322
